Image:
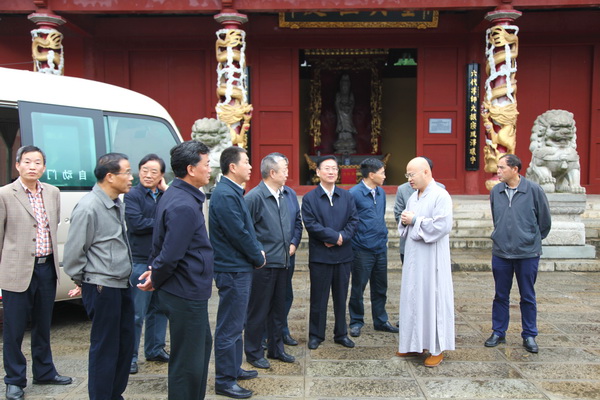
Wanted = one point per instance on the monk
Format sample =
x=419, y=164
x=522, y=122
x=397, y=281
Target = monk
x=427, y=295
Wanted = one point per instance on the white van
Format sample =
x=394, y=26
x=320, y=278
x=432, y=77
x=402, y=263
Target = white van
x=74, y=121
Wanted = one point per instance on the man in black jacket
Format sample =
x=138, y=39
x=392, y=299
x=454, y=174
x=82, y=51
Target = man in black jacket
x=182, y=270
x=237, y=253
x=330, y=218
x=521, y=220
x=270, y=213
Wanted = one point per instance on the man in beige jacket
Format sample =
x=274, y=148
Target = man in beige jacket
x=29, y=271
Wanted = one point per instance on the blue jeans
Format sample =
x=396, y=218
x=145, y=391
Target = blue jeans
x=234, y=293
x=147, y=309
x=368, y=267
x=525, y=271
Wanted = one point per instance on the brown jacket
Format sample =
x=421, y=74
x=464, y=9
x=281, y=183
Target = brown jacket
x=18, y=232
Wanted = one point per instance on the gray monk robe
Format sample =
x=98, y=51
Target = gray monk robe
x=427, y=295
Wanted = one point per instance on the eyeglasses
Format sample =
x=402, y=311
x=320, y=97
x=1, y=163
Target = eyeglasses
x=128, y=172
x=151, y=172
x=412, y=174
x=330, y=169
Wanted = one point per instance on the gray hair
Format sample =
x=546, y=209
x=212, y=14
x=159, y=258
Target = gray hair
x=270, y=163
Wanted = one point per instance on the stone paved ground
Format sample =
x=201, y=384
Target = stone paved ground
x=567, y=366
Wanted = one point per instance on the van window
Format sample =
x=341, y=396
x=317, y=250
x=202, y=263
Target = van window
x=138, y=137
x=73, y=139
x=68, y=141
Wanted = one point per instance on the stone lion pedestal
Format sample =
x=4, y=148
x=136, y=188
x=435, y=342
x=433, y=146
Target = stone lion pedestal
x=566, y=239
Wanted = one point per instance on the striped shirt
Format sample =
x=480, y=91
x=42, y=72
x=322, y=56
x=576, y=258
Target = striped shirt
x=43, y=243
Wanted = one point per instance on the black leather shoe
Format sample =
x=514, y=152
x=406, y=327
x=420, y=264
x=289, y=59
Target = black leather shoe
x=246, y=375
x=345, y=342
x=494, y=340
x=260, y=363
x=14, y=392
x=387, y=327
x=235, y=392
x=162, y=356
x=285, y=357
x=133, y=369
x=355, y=331
x=313, y=344
x=290, y=341
x=57, y=380
x=530, y=344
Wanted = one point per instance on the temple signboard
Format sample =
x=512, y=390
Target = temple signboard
x=360, y=19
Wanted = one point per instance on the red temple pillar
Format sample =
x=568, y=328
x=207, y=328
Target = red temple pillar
x=232, y=82
x=499, y=108
x=46, y=47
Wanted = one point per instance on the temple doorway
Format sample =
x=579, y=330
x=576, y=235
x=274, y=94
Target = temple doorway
x=357, y=103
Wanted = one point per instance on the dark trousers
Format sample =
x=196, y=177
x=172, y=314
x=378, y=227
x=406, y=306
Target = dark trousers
x=36, y=303
x=368, y=267
x=191, y=344
x=234, y=292
x=323, y=278
x=266, y=305
x=111, y=339
x=147, y=312
x=525, y=271
x=289, y=295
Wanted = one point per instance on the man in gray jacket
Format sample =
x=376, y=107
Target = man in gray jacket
x=270, y=213
x=98, y=259
x=521, y=220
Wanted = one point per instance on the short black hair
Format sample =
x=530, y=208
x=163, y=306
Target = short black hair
x=325, y=158
x=108, y=163
x=512, y=161
x=230, y=155
x=369, y=165
x=186, y=153
x=153, y=157
x=29, y=149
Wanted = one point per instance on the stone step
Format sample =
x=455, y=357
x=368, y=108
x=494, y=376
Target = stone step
x=479, y=260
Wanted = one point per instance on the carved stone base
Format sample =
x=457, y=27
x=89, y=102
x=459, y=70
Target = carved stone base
x=567, y=237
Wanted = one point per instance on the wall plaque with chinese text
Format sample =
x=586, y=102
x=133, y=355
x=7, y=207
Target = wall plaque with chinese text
x=472, y=115
x=360, y=19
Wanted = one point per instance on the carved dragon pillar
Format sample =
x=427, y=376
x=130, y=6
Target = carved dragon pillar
x=232, y=108
x=499, y=109
x=46, y=47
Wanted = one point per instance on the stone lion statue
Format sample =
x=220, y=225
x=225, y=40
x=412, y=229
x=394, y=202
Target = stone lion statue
x=214, y=134
x=555, y=162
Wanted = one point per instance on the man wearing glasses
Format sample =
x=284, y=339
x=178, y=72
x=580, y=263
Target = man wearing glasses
x=426, y=294
x=330, y=218
x=98, y=259
x=140, y=208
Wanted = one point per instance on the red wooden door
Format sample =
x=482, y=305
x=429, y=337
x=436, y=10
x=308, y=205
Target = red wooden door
x=274, y=96
x=440, y=100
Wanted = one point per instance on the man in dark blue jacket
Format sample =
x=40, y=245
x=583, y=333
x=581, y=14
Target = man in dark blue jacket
x=370, y=249
x=270, y=213
x=330, y=218
x=140, y=209
x=521, y=220
x=237, y=253
x=182, y=270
